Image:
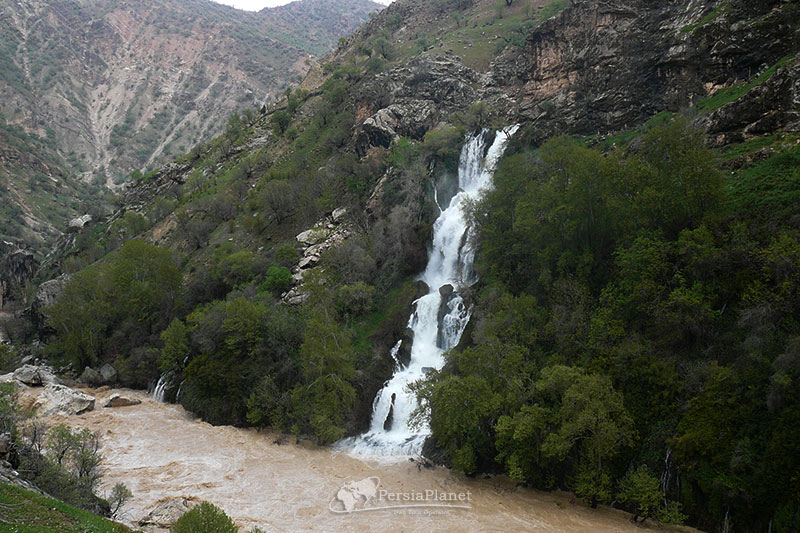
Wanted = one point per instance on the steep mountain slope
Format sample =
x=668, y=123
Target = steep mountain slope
x=115, y=87
x=635, y=332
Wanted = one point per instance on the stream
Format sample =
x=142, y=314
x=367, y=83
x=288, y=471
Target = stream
x=161, y=451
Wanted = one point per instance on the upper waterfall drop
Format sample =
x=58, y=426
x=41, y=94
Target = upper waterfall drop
x=439, y=317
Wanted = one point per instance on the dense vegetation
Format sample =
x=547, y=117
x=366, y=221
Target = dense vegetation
x=637, y=315
x=634, y=336
x=63, y=462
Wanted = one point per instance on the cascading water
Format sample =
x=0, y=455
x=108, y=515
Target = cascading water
x=160, y=391
x=439, y=317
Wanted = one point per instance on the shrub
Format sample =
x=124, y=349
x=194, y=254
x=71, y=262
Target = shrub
x=205, y=518
x=277, y=280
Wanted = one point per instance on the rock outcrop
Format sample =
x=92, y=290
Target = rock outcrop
x=409, y=100
x=35, y=376
x=167, y=511
x=766, y=108
x=329, y=232
x=120, y=401
x=107, y=375
x=602, y=66
x=61, y=400
x=49, y=291
x=17, y=266
x=11, y=477
x=77, y=224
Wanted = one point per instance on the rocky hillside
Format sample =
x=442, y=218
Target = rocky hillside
x=91, y=91
x=635, y=330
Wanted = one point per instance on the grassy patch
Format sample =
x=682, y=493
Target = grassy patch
x=770, y=188
x=734, y=92
x=716, y=12
x=478, y=35
x=735, y=151
x=26, y=512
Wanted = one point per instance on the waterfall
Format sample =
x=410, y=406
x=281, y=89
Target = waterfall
x=160, y=391
x=439, y=317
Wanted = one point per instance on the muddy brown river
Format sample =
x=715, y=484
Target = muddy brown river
x=161, y=451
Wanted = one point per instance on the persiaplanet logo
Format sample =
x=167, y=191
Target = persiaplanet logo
x=367, y=495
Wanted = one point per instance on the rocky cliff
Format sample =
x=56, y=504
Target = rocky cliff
x=93, y=91
x=597, y=68
x=602, y=67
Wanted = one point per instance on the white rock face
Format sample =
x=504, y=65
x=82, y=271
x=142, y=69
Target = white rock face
x=77, y=224
x=61, y=400
x=312, y=236
x=167, y=511
x=338, y=215
x=327, y=233
x=35, y=376
x=49, y=291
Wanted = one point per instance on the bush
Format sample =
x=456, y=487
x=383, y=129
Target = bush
x=64, y=463
x=205, y=518
x=277, y=280
x=280, y=121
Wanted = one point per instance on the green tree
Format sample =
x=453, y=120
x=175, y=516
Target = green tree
x=640, y=489
x=119, y=496
x=324, y=400
x=176, y=346
x=205, y=518
x=280, y=121
x=463, y=412
x=139, y=288
x=593, y=421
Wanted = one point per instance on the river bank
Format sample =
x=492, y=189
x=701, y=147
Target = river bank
x=160, y=451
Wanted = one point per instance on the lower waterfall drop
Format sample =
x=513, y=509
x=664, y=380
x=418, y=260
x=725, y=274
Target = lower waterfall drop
x=439, y=317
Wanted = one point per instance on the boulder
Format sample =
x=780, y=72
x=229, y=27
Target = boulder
x=49, y=291
x=108, y=373
x=77, y=224
x=403, y=355
x=61, y=400
x=35, y=376
x=120, y=401
x=338, y=214
x=312, y=236
x=446, y=291
x=168, y=511
x=90, y=376
x=308, y=262
x=377, y=130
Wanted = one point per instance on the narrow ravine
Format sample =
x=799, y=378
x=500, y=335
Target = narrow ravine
x=439, y=318
x=160, y=451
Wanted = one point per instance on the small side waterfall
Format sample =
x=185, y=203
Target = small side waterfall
x=159, y=393
x=439, y=317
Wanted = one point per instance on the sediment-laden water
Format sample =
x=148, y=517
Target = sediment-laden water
x=160, y=451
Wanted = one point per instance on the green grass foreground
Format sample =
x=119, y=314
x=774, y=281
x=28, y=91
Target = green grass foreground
x=22, y=511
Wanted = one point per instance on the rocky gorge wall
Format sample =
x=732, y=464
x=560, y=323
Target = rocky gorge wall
x=600, y=66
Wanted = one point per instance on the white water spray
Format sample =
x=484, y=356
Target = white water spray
x=439, y=317
x=160, y=391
